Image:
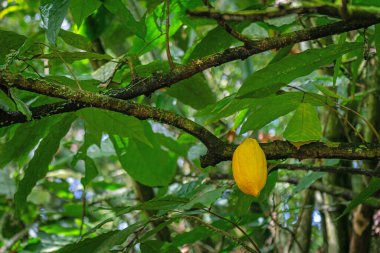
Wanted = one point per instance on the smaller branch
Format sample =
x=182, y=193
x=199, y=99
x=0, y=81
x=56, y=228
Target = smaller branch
x=283, y=149
x=328, y=169
x=333, y=190
x=333, y=10
x=228, y=28
x=167, y=35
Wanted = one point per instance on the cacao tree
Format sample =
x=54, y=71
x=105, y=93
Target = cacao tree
x=119, y=120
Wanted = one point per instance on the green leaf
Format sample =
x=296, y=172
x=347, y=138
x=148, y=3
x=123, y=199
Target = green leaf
x=149, y=165
x=205, y=198
x=126, y=17
x=269, y=79
x=9, y=41
x=270, y=108
x=196, y=234
x=262, y=110
x=283, y=52
x=101, y=243
x=98, y=120
x=75, y=40
x=53, y=12
x=373, y=187
x=17, y=147
x=193, y=91
x=269, y=186
x=338, y=62
x=6, y=104
x=39, y=165
x=81, y=9
x=216, y=40
x=304, y=125
x=155, y=246
x=21, y=105
x=91, y=171
x=308, y=180
x=366, y=2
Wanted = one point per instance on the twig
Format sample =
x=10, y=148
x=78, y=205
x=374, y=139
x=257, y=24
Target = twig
x=292, y=234
x=167, y=35
x=235, y=225
x=83, y=212
x=222, y=232
x=228, y=28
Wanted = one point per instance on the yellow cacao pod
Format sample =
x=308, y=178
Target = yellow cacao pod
x=249, y=167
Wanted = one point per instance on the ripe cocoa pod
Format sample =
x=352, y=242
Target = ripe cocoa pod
x=249, y=167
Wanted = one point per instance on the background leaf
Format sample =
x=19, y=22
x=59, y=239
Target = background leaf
x=53, y=13
x=304, y=125
x=269, y=79
x=38, y=166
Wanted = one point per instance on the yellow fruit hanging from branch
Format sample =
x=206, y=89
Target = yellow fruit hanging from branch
x=249, y=167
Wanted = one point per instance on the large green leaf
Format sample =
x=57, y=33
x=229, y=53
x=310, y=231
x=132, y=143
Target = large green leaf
x=81, y=9
x=98, y=120
x=39, y=165
x=269, y=109
x=76, y=40
x=16, y=148
x=262, y=110
x=6, y=103
x=120, y=10
x=149, y=165
x=216, y=40
x=305, y=125
x=308, y=180
x=21, y=105
x=268, y=80
x=53, y=12
x=101, y=243
x=9, y=41
x=91, y=171
x=193, y=91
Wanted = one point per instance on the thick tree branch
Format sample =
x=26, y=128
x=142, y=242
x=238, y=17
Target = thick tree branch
x=329, y=169
x=180, y=73
x=217, y=150
x=348, y=13
x=282, y=150
x=80, y=99
x=183, y=72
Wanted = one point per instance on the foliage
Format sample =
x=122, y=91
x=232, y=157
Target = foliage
x=102, y=141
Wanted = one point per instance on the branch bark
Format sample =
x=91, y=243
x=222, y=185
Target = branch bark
x=348, y=12
x=218, y=151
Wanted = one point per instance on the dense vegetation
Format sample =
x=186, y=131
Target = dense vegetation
x=118, y=121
